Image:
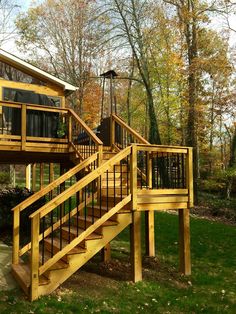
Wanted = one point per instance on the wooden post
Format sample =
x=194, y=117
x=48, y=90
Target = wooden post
x=189, y=177
x=23, y=126
x=28, y=176
x=136, y=256
x=51, y=172
x=69, y=128
x=106, y=253
x=133, y=176
x=112, y=131
x=35, y=222
x=34, y=177
x=184, y=242
x=16, y=236
x=150, y=233
x=100, y=154
x=41, y=175
x=150, y=217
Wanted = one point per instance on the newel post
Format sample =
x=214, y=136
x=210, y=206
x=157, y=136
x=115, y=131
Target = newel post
x=184, y=220
x=34, y=262
x=150, y=216
x=112, y=131
x=16, y=236
x=136, y=254
x=69, y=127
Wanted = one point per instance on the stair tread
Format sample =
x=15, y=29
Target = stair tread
x=73, y=230
x=58, y=265
x=56, y=244
x=23, y=272
x=90, y=219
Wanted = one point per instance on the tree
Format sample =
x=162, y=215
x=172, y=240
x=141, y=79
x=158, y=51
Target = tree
x=63, y=37
x=130, y=21
x=8, y=9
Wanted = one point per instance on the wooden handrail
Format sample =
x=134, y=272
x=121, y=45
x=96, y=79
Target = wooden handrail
x=129, y=129
x=32, y=106
x=33, y=198
x=47, y=208
x=90, y=133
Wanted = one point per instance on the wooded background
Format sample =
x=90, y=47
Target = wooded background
x=175, y=61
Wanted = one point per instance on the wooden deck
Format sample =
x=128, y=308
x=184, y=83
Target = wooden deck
x=105, y=191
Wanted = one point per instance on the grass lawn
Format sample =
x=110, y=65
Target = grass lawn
x=99, y=288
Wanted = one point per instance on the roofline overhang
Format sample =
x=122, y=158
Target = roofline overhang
x=31, y=69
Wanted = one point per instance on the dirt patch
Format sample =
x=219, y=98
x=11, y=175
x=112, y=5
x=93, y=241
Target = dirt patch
x=97, y=278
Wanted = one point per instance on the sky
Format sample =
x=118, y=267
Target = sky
x=217, y=24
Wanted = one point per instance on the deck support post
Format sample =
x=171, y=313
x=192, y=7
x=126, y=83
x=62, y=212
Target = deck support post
x=150, y=217
x=106, y=253
x=28, y=176
x=184, y=242
x=34, y=177
x=136, y=254
x=150, y=233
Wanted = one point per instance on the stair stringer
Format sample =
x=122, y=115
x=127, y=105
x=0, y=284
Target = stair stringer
x=76, y=261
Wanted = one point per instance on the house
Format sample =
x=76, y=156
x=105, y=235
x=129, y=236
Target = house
x=102, y=187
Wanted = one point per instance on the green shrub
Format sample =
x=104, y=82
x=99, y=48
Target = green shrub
x=11, y=197
x=4, y=178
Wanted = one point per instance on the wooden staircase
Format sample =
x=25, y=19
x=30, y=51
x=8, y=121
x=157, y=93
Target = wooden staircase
x=114, y=198
x=89, y=205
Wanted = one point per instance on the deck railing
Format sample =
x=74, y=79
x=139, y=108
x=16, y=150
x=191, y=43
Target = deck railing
x=122, y=135
x=83, y=140
x=46, y=129
x=21, y=244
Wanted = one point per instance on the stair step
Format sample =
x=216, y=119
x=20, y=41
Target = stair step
x=110, y=191
x=21, y=272
x=56, y=247
x=73, y=231
x=58, y=265
x=96, y=210
x=88, y=221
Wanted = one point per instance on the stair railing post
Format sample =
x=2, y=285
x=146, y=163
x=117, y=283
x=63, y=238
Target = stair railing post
x=112, y=131
x=23, y=126
x=136, y=256
x=189, y=176
x=184, y=221
x=100, y=154
x=149, y=215
x=16, y=236
x=69, y=127
x=34, y=262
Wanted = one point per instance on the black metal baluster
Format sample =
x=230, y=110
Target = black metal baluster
x=77, y=212
x=43, y=244
x=51, y=218
x=183, y=171
x=127, y=173
x=178, y=171
x=69, y=221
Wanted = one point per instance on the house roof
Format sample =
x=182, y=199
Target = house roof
x=33, y=70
